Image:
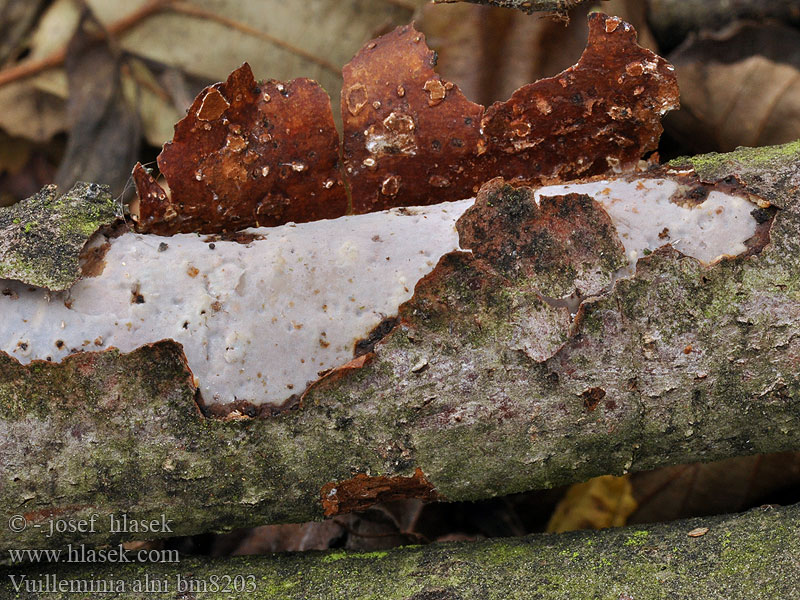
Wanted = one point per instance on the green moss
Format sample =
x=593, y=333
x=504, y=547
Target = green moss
x=42, y=236
x=637, y=538
x=756, y=158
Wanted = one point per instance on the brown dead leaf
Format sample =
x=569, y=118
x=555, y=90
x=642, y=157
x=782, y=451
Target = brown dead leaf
x=491, y=51
x=410, y=138
x=289, y=537
x=673, y=20
x=203, y=39
x=105, y=129
x=719, y=487
x=17, y=17
x=739, y=87
x=25, y=167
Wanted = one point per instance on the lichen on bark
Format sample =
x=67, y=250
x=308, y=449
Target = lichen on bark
x=696, y=363
x=41, y=238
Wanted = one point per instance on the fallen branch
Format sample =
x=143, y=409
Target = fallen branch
x=679, y=363
x=557, y=8
x=751, y=555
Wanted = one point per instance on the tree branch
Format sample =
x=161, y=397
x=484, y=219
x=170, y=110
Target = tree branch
x=554, y=7
x=680, y=363
x=750, y=555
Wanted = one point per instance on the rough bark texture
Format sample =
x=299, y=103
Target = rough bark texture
x=696, y=364
x=41, y=238
x=555, y=7
x=751, y=555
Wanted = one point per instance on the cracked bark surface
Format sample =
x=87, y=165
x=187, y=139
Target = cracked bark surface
x=555, y=7
x=750, y=555
x=109, y=433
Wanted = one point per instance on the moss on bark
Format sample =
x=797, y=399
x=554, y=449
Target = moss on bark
x=696, y=363
x=751, y=555
x=41, y=237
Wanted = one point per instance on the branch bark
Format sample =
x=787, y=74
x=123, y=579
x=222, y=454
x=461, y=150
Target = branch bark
x=673, y=20
x=555, y=7
x=750, y=555
x=106, y=433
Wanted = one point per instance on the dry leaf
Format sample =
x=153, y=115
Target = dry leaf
x=698, y=532
x=601, y=502
x=104, y=127
x=289, y=537
x=17, y=17
x=491, y=51
x=673, y=20
x=713, y=488
x=740, y=87
x=284, y=40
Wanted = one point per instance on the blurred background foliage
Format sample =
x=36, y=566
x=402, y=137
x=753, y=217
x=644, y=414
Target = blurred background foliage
x=88, y=87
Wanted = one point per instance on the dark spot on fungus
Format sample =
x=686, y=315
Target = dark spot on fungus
x=136, y=295
x=760, y=215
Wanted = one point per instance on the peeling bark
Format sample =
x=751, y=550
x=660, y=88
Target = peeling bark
x=679, y=363
x=243, y=156
x=750, y=555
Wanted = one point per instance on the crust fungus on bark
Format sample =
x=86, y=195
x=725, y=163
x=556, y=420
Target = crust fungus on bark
x=116, y=434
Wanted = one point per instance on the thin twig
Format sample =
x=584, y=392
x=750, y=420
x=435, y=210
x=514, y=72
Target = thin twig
x=190, y=9
x=56, y=59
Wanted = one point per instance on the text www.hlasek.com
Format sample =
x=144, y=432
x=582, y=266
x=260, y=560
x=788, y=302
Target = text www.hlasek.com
x=82, y=554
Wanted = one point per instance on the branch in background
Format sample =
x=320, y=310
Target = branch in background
x=672, y=20
x=558, y=8
x=736, y=557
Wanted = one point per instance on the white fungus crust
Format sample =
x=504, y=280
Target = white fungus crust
x=646, y=218
x=260, y=321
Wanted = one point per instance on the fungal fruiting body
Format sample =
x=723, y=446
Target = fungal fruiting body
x=261, y=319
